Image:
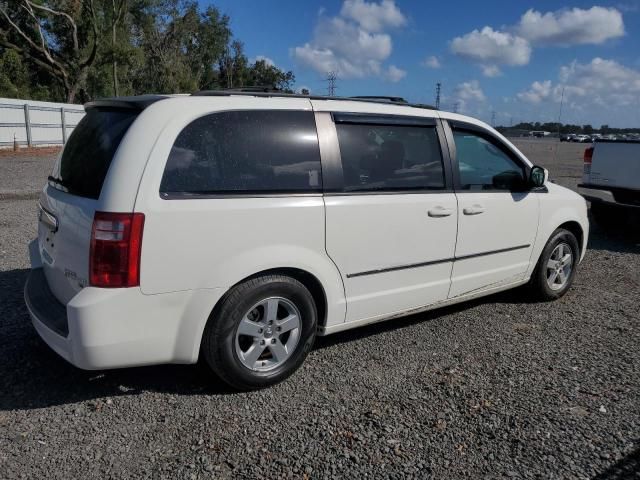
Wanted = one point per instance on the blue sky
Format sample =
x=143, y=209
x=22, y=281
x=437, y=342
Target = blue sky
x=512, y=58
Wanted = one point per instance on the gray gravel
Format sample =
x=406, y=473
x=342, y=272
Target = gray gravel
x=498, y=387
x=22, y=176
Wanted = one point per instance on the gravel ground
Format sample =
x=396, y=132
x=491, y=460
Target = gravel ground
x=494, y=388
x=22, y=176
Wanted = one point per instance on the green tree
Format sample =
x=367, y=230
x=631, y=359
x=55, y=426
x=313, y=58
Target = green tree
x=77, y=50
x=14, y=78
x=61, y=42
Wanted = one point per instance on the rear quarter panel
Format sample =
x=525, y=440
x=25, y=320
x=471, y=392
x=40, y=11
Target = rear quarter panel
x=214, y=243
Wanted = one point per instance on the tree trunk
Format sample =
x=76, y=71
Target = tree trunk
x=114, y=61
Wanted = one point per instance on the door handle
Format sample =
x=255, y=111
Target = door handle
x=474, y=209
x=440, y=211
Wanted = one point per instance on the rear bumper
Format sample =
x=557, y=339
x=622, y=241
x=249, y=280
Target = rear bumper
x=602, y=195
x=116, y=328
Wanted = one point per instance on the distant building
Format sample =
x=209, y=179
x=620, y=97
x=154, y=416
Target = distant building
x=539, y=133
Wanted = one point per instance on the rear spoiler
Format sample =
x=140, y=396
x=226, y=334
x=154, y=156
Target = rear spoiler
x=138, y=103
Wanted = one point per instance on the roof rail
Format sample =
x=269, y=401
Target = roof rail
x=275, y=93
x=381, y=98
x=254, y=89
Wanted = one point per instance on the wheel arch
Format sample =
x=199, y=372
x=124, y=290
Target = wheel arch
x=575, y=228
x=309, y=280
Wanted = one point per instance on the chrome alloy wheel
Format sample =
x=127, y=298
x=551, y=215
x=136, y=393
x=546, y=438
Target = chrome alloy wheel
x=559, y=266
x=268, y=334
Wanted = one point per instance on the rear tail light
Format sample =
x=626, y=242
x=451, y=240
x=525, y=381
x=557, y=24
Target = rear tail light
x=588, y=155
x=116, y=241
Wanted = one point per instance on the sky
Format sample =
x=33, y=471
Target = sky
x=509, y=61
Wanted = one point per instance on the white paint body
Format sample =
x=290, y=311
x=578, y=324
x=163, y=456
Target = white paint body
x=194, y=250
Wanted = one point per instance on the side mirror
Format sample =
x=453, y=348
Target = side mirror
x=538, y=176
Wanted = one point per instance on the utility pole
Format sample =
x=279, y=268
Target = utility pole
x=455, y=107
x=332, y=77
x=438, y=87
x=493, y=118
x=560, y=113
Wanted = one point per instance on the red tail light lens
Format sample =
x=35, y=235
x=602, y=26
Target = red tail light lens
x=116, y=243
x=588, y=155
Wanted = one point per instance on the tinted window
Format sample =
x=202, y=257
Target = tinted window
x=245, y=151
x=87, y=156
x=390, y=157
x=482, y=164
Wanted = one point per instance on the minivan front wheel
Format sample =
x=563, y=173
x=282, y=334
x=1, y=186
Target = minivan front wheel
x=261, y=332
x=556, y=267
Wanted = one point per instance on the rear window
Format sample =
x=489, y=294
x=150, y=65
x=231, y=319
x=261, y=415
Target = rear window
x=379, y=158
x=253, y=151
x=87, y=156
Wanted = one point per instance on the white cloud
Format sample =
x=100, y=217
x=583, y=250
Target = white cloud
x=606, y=82
x=571, y=27
x=608, y=90
x=491, y=71
x=470, y=91
x=467, y=97
x=353, y=44
x=431, y=62
x=536, y=93
x=266, y=60
x=491, y=48
x=339, y=45
x=512, y=45
x=373, y=17
x=394, y=74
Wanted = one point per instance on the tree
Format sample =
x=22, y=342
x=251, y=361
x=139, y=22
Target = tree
x=118, y=10
x=77, y=50
x=63, y=43
x=14, y=78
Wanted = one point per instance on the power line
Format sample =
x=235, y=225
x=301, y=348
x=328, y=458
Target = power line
x=332, y=77
x=438, y=87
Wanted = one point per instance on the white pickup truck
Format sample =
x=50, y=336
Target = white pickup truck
x=611, y=182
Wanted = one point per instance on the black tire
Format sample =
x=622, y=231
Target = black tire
x=219, y=337
x=539, y=285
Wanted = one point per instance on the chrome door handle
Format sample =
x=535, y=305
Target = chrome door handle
x=440, y=211
x=473, y=210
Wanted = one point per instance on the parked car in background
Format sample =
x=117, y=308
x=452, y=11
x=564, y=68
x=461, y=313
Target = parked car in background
x=611, y=182
x=582, y=138
x=568, y=137
x=236, y=227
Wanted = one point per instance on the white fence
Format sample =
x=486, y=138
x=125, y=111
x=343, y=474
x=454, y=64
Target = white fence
x=32, y=123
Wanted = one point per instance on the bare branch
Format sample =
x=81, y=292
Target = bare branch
x=62, y=14
x=21, y=32
x=44, y=49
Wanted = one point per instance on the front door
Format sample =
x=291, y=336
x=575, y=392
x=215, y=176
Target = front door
x=497, y=224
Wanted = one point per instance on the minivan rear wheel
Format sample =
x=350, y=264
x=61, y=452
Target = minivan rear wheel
x=261, y=332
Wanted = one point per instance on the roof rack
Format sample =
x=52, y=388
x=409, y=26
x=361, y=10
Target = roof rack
x=276, y=93
x=382, y=99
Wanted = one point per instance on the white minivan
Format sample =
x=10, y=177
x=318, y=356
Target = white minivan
x=237, y=226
